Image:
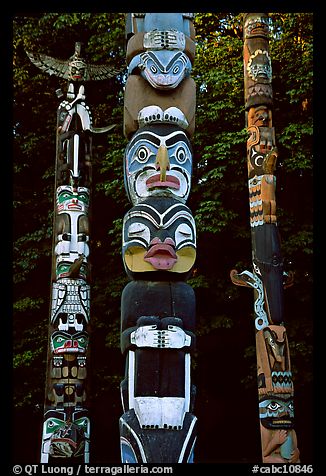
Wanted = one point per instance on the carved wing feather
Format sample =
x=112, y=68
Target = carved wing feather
x=98, y=72
x=50, y=65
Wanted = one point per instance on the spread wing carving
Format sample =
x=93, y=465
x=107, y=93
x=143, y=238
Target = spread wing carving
x=63, y=69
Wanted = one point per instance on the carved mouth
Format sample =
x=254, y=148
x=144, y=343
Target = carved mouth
x=274, y=423
x=74, y=206
x=161, y=256
x=281, y=422
x=164, y=80
x=67, y=350
x=69, y=441
x=170, y=181
x=69, y=347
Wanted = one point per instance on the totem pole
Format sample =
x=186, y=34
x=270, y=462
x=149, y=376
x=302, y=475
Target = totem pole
x=159, y=241
x=66, y=422
x=274, y=378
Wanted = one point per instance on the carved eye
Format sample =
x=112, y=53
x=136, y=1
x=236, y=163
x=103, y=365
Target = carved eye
x=136, y=229
x=139, y=230
x=185, y=230
x=83, y=197
x=66, y=237
x=271, y=340
x=181, y=154
x=142, y=153
x=274, y=406
x=176, y=70
x=62, y=268
x=183, y=233
x=81, y=422
x=153, y=68
x=259, y=159
x=53, y=425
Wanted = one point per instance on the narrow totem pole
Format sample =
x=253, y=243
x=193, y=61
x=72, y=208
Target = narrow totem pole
x=275, y=386
x=66, y=422
x=159, y=241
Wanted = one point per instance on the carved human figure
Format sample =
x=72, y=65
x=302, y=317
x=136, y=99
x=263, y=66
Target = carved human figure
x=279, y=441
x=157, y=323
x=279, y=446
x=257, y=62
x=158, y=162
x=72, y=232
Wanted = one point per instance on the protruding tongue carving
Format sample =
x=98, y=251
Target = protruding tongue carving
x=161, y=255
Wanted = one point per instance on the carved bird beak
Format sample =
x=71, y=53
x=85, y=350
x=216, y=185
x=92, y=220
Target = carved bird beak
x=162, y=162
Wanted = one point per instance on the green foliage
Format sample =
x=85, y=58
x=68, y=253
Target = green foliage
x=28, y=303
x=211, y=216
x=25, y=359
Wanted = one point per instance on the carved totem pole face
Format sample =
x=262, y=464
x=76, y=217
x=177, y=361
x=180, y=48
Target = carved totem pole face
x=64, y=437
x=64, y=342
x=158, y=162
x=162, y=69
x=77, y=70
x=72, y=199
x=72, y=238
x=256, y=26
x=258, y=68
x=277, y=412
x=159, y=235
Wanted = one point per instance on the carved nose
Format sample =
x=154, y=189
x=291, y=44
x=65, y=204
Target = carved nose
x=162, y=162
